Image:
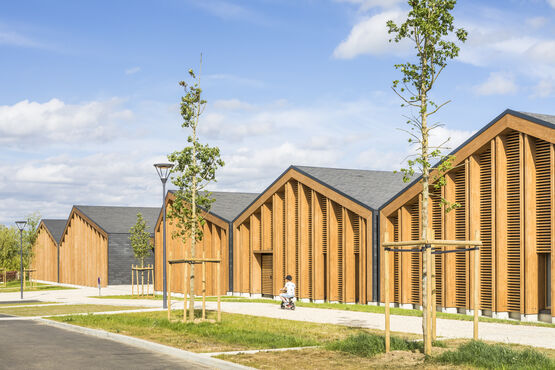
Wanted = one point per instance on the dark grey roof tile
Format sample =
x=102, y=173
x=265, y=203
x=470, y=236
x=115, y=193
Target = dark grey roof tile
x=118, y=220
x=55, y=227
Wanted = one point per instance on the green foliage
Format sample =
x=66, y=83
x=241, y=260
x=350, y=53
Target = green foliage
x=140, y=240
x=495, y=356
x=195, y=167
x=429, y=26
x=10, y=243
x=368, y=345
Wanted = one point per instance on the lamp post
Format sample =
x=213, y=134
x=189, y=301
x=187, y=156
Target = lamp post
x=21, y=226
x=163, y=170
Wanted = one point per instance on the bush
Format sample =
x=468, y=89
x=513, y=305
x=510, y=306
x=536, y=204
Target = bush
x=496, y=356
x=369, y=345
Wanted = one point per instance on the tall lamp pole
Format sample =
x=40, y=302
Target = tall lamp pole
x=163, y=170
x=21, y=226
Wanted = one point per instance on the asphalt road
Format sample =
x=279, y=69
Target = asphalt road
x=31, y=345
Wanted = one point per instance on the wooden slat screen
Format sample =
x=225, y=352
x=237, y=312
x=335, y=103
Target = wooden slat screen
x=513, y=221
x=396, y=261
x=308, y=193
x=543, y=196
x=281, y=196
x=437, y=227
x=415, y=265
x=339, y=215
x=460, y=234
x=323, y=202
x=267, y=283
x=296, y=191
x=486, y=231
x=356, y=232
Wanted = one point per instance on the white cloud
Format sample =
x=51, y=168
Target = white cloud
x=537, y=22
x=552, y=3
x=133, y=70
x=16, y=39
x=544, y=88
x=365, y=5
x=57, y=122
x=544, y=51
x=232, y=104
x=370, y=36
x=497, y=84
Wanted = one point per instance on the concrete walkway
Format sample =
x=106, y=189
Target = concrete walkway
x=521, y=334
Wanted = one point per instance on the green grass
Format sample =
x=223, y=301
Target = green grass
x=235, y=332
x=24, y=303
x=62, y=309
x=14, y=286
x=495, y=356
x=157, y=297
x=369, y=345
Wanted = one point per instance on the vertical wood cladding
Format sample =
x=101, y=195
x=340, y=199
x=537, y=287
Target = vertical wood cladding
x=214, y=238
x=506, y=190
x=321, y=244
x=45, y=258
x=83, y=254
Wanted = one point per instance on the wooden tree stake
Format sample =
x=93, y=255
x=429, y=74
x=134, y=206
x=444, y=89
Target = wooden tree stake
x=386, y=294
x=475, y=284
x=185, y=286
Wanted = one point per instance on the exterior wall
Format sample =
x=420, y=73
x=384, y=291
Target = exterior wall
x=506, y=190
x=83, y=253
x=120, y=259
x=215, y=237
x=311, y=233
x=45, y=259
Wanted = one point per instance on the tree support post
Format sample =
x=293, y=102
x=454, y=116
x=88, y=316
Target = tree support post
x=386, y=294
x=475, y=284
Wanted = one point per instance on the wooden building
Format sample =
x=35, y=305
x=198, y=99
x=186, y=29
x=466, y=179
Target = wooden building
x=226, y=206
x=504, y=179
x=317, y=225
x=95, y=244
x=45, y=250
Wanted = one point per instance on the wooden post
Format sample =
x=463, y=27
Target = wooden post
x=434, y=299
x=142, y=283
x=428, y=344
x=132, y=281
x=185, y=286
x=169, y=279
x=218, y=286
x=386, y=293
x=476, y=290
x=203, y=290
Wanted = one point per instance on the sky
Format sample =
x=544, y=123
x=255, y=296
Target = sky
x=90, y=96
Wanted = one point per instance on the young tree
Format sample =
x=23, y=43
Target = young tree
x=195, y=167
x=30, y=235
x=429, y=27
x=140, y=240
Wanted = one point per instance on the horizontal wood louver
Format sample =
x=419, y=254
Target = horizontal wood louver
x=396, y=261
x=308, y=194
x=356, y=233
x=437, y=227
x=415, y=265
x=486, y=231
x=460, y=234
x=281, y=196
x=543, y=196
x=514, y=221
x=266, y=267
x=323, y=202
x=340, y=278
x=296, y=191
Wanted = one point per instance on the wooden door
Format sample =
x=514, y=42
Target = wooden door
x=267, y=275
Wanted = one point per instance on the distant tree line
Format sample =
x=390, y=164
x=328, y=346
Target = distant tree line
x=10, y=240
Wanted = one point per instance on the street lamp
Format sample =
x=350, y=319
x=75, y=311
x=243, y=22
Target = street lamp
x=163, y=170
x=21, y=226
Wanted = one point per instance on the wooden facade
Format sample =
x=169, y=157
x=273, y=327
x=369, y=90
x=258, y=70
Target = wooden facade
x=215, y=237
x=45, y=254
x=83, y=252
x=504, y=180
x=303, y=228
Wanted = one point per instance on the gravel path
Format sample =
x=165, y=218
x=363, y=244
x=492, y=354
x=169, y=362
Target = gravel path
x=522, y=334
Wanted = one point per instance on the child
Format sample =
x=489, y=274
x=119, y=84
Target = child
x=288, y=290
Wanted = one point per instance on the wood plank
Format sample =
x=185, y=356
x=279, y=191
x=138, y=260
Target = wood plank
x=501, y=224
x=530, y=297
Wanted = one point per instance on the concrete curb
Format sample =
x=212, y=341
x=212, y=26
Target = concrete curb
x=197, y=358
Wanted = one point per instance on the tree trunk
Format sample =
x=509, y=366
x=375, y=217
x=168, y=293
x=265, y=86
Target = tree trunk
x=426, y=255
x=193, y=234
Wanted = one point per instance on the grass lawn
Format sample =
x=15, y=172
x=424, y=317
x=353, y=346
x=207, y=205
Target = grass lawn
x=129, y=296
x=352, y=307
x=355, y=353
x=23, y=303
x=63, y=309
x=14, y=286
x=235, y=332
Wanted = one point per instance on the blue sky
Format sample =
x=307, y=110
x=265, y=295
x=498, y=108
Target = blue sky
x=90, y=89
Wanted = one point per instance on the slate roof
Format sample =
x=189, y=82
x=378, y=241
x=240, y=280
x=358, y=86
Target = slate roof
x=118, y=220
x=368, y=187
x=55, y=227
x=542, y=117
x=228, y=205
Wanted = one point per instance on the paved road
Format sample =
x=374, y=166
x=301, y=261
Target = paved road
x=32, y=345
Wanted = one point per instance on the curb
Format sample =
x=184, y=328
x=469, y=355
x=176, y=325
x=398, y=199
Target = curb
x=196, y=358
